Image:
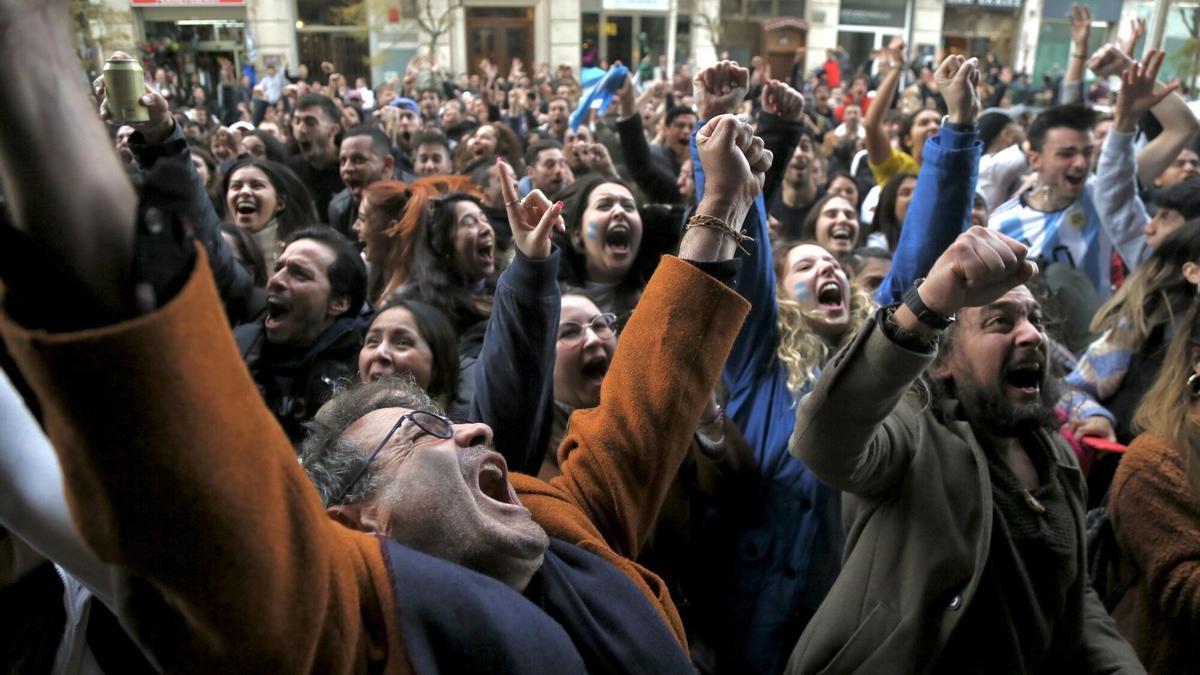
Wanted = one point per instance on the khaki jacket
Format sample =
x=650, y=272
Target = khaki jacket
x=918, y=515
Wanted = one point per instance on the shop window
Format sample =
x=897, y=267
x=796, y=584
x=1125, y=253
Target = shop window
x=194, y=48
x=765, y=9
x=653, y=38
x=348, y=51
x=501, y=12
x=499, y=34
x=332, y=12
x=791, y=8
x=683, y=39
x=1054, y=48
x=589, y=54
x=874, y=12
x=732, y=7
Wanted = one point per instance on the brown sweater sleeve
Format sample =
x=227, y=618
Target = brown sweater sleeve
x=176, y=471
x=1154, y=516
x=619, y=458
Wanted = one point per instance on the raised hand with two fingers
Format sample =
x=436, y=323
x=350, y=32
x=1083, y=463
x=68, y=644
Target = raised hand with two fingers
x=531, y=218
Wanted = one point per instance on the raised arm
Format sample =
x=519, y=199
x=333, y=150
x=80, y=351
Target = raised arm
x=718, y=91
x=173, y=468
x=780, y=125
x=941, y=206
x=658, y=185
x=1179, y=124
x=58, y=170
x=1081, y=30
x=619, y=458
x=33, y=505
x=845, y=430
x=879, y=146
x=160, y=142
x=514, y=378
x=1122, y=213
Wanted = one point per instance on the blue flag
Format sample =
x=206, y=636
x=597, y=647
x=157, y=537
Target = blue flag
x=603, y=90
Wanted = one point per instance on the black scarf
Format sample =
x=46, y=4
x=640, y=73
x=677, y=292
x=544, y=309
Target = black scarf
x=579, y=614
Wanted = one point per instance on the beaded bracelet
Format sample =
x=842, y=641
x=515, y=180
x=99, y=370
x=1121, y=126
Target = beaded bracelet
x=711, y=223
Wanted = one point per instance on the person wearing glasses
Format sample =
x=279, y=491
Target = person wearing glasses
x=438, y=558
x=583, y=351
x=692, y=542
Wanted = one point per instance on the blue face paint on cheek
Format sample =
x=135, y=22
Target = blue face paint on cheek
x=801, y=292
x=593, y=231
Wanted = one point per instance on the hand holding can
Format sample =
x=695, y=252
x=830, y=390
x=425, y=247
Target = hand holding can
x=124, y=84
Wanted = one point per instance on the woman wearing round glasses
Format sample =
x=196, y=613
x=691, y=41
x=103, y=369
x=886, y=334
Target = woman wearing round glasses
x=692, y=540
x=586, y=341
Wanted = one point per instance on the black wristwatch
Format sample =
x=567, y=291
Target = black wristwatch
x=927, y=316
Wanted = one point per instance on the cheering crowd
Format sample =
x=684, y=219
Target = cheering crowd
x=875, y=372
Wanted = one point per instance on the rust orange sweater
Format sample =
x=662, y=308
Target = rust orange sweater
x=1156, y=517
x=177, y=472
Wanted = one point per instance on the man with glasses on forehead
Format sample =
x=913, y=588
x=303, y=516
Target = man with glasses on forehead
x=177, y=474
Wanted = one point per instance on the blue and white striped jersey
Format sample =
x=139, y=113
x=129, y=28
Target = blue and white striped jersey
x=1074, y=235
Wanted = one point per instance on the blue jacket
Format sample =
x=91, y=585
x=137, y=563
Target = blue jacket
x=788, y=560
x=940, y=209
x=514, y=377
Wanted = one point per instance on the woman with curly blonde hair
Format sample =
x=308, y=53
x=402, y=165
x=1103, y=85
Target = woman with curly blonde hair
x=820, y=308
x=790, y=552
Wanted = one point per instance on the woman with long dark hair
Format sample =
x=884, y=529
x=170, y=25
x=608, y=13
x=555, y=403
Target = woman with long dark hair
x=454, y=264
x=603, y=249
x=892, y=210
x=1136, y=325
x=410, y=338
x=268, y=200
x=833, y=224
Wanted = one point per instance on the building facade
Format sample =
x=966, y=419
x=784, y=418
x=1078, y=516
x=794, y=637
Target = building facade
x=376, y=39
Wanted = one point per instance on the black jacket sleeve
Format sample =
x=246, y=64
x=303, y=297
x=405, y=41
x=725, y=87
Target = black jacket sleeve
x=514, y=379
x=658, y=185
x=780, y=138
x=241, y=297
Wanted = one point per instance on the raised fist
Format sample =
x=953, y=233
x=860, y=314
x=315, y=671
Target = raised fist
x=1109, y=60
x=979, y=267
x=782, y=101
x=735, y=162
x=958, y=81
x=720, y=88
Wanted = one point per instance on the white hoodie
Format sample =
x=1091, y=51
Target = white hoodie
x=33, y=508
